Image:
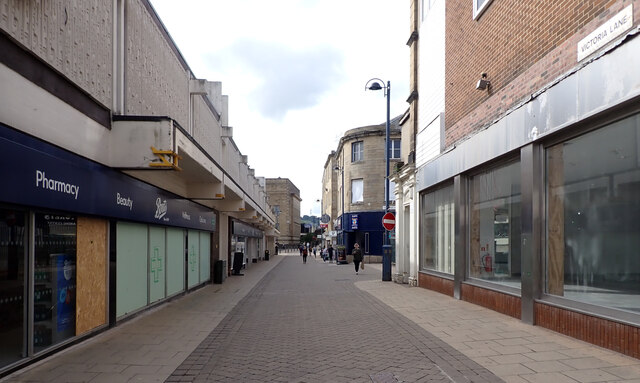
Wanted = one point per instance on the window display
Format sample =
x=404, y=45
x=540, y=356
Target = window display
x=12, y=285
x=437, y=234
x=593, y=211
x=494, y=253
x=54, y=301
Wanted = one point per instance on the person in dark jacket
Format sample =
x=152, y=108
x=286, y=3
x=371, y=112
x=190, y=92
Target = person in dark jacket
x=357, y=256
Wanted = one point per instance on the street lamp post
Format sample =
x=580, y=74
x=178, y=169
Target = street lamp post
x=377, y=84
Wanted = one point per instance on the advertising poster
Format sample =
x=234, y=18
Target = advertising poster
x=65, y=287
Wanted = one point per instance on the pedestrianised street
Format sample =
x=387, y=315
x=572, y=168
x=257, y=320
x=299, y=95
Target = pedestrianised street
x=285, y=321
x=310, y=323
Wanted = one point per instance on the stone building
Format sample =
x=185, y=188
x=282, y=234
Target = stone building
x=354, y=186
x=284, y=198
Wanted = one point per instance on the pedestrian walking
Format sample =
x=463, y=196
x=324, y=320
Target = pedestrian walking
x=357, y=256
x=315, y=248
x=330, y=250
x=304, y=255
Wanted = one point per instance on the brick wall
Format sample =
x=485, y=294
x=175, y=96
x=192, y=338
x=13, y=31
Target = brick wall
x=521, y=45
x=615, y=336
x=431, y=282
x=494, y=300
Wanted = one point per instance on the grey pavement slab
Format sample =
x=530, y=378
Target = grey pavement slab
x=512, y=350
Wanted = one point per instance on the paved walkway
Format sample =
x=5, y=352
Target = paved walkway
x=289, y=322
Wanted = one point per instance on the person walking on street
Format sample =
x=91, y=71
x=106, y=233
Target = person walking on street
x=357, y=256
x=330, y=250
x=304, y=255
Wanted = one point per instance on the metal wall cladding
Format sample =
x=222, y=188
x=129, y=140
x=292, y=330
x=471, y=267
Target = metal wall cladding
x=604, y=82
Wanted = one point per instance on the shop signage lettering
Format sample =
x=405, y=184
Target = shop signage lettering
x=55, y=185
x=161, y=208
x=128, y=202
x=604, y=34
x=59, y=175
x=186, y=216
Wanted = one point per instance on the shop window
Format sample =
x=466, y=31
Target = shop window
x=593, y=211
x=54, y=301
x=494, y=253
x=193, y=258
x=12, y=286
x=437, y=230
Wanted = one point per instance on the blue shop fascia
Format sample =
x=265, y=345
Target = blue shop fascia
x=366, y=229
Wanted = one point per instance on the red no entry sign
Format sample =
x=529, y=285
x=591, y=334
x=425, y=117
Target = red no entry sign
x=389, y=221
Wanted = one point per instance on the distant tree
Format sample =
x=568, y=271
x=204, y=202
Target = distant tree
x=307, y=238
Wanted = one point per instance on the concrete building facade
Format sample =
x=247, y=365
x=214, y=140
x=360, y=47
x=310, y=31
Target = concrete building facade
x=284, y=198
x=126, y=187
x=529, y=205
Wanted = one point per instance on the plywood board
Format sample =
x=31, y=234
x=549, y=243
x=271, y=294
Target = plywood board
x=91, y=264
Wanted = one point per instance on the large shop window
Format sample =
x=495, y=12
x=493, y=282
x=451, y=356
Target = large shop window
x=593, y=217
x=438, y=234
x=54, y=301
x=494, y=253
x=151, y=263
x=12, y=286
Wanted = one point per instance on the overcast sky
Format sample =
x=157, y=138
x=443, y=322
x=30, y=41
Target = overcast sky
x=295, y=73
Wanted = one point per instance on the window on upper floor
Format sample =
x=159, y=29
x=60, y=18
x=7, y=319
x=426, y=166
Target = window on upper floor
x=394, y=149
x=392, y=191
x=479, y=6
x=357, y=190
x=357, y=151
x=425, y=7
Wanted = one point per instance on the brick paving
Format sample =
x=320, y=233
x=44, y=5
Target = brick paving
x=284, y=321
x=309, y=323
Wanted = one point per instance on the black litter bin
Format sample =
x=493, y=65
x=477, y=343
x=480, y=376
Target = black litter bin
x=218, y=271
x=266, y=255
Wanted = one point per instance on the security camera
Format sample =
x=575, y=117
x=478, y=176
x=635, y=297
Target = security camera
x=482, y=84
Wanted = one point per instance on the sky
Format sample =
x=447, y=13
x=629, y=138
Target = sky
x=295, y=73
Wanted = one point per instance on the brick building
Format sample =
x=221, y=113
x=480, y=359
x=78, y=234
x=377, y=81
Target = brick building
x=531, y=202
x=284, y=198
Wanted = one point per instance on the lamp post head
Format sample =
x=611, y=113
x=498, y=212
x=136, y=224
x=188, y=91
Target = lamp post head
x=375, y=86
